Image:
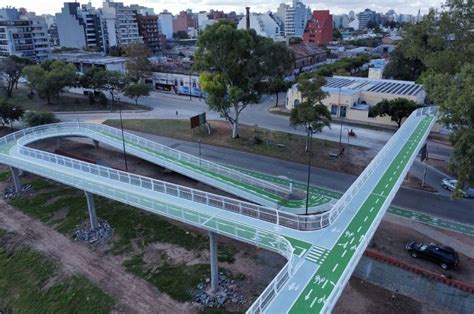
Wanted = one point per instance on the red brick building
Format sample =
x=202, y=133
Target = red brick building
x=319, y=28
x=148, y=28
x=182, y=21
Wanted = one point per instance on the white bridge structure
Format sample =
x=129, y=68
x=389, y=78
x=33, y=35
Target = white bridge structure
x=322, y=249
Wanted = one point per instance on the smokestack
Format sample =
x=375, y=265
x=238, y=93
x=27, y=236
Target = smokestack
x=247, y=17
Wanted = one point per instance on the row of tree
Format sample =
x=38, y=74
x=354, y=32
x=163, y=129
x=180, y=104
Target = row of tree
x=439, y=52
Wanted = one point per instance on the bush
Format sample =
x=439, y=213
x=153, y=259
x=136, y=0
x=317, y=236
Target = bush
x=34, y=118
x=91, y=98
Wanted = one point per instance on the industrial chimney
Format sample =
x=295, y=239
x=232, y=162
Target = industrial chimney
x=247, y=17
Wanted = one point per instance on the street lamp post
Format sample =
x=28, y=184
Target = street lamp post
x=189, y=86
x=310, y=130
x=347, y=148
x=123, y=141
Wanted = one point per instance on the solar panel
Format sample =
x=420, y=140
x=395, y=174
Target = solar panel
x=416, y=90
x=402, y=90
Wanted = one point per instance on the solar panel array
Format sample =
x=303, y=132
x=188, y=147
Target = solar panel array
x=398, y=88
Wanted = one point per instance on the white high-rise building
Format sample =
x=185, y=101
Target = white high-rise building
x=203, y=21
x=165, y=24
x=294, y=18
x=340, y=21
x=263, y=24
x=122, y=26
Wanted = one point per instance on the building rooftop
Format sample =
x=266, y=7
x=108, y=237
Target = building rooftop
x=356, y=84
x=304, y=49
x=87, y=57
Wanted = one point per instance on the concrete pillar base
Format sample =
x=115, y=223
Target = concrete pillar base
x=91, y=209
x=214, y=262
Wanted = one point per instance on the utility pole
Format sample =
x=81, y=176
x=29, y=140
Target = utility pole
x=123, y=141
x=310, y=130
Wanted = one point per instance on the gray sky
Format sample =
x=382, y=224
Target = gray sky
x=335, y=6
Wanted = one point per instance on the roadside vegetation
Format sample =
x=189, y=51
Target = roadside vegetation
x=32, y=283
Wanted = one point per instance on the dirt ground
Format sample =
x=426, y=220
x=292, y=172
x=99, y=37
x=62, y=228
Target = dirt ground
x=259, y=266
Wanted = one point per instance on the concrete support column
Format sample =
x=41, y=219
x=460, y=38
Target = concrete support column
x=58, y=142
x=91, y=209
x=16, y=178
x=213, y=258
x=96, y=143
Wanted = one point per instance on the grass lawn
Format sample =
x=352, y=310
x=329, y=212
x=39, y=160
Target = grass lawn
x=28, y=285
x=276, y=144
x=66, y=102
x=178, y=281
x=64, y=208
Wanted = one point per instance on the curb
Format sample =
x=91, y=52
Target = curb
x=466, y=287
x=100, y=111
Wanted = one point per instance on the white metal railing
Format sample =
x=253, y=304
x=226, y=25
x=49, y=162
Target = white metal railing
x=303, y=223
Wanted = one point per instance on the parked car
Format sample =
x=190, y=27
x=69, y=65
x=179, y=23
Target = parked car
x=450, y=184
x=445, y=256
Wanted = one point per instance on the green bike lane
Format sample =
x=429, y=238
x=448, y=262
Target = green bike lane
x=393, y=210
x=319, y=289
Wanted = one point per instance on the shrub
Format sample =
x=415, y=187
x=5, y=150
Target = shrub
x=34, y=118
x=103, y=100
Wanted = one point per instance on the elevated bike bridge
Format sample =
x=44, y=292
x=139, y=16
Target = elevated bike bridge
x=322, y=249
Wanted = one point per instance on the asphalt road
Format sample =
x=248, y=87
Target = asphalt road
x=435, y=204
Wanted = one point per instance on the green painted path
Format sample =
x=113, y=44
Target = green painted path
x=321, y=286
x=397, y=211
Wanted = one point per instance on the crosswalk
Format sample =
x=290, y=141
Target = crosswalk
x=317, y=254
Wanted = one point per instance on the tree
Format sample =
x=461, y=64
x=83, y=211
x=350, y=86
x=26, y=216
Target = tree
x=444, y=42
x=35, y=118
x=112, y=82
x=311, y=112
x=136, y=90
x=138, y=65
x=397, y=109
x=336, y=34
x=236, y=68
x=283, y=60
x=401, y=67
x=10, y=113
x=12, y=67
x=455, y=96
x=50, y=77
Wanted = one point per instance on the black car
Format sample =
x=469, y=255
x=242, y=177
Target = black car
x=444, y=256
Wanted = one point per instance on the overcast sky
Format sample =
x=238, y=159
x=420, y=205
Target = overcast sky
x=335, y=6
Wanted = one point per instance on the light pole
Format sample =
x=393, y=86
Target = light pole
x=123, y=141
x=189, y=86
x=347, y=148
x=310, y=130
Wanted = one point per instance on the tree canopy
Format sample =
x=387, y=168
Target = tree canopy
x=397, y=109
x=136, y=90
x=12, y=67
x=138, y=65
x=236, y=67
x=49, y=78
x=9, y=113
x=444, y=43
x=311, y=112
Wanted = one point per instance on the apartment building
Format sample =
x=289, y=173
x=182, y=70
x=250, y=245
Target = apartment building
x=121, y=23
x=319, y=28
x=23, y=34
x=81, y=27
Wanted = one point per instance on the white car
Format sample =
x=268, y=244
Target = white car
x=449, y=184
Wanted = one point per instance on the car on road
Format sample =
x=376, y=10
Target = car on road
x=445, y=256
x=450, y=185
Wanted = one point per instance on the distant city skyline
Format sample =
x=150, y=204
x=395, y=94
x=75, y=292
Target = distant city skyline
x=335, y=6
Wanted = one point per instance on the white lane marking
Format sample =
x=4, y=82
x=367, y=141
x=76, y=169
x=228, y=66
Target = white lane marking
x=365, y=219
x=324, y=284
x=306, y=297
x=386, y=186
x=371, y=209
x=314, y=301
x=377, y=200
x=358, y=230
x=335, y=267
x=352, y=240
x=344, y=253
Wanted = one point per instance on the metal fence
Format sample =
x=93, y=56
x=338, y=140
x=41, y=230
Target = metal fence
x=23, y=137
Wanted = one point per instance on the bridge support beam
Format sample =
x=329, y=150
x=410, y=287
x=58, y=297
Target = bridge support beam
x=91, y=209
x=96, y=143
x=213, y=258
x=16, y=179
